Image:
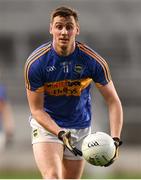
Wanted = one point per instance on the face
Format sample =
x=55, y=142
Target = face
x=64, y=31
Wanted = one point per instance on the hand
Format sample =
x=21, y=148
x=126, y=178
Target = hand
x=117, y=143
x=65, y=136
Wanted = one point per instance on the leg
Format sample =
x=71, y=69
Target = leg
x=73, y=166
x=72, y=169
x=48, y=157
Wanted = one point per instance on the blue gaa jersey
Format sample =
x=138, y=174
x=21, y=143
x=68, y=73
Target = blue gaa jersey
x=65, y=82
x=3, y=99
x=3, y=93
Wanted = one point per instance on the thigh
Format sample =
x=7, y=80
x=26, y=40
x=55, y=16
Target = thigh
x=73, y=169
x=48, y=157
x=77, y=137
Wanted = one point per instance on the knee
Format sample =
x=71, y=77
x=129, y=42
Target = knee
x=51, y=175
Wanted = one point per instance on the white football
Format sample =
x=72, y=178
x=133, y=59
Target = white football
x=98, y=148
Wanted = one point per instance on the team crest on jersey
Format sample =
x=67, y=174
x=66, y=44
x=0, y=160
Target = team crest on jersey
x=78, y=68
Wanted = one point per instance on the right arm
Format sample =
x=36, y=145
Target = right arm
x=36, y=101
x=35, y=98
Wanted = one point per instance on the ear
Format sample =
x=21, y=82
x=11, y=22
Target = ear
x=50, y=28
x=78, y=30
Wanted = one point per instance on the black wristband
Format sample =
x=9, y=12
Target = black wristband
x=60, y=134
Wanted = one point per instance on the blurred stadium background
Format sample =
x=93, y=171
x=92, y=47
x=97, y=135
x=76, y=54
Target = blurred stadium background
x=113, y=29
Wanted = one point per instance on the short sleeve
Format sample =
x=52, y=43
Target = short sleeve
x=100, y=71
x=102, y=74
x=97, y=66
x=33, y=76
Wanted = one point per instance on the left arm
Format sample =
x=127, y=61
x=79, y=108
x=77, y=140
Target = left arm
x=115, y=108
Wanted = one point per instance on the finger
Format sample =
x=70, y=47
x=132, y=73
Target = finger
x=78, y=151
x=68, y=134
x=72, y=150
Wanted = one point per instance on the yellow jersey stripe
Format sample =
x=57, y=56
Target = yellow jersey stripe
x=40, y=89
x=36, y=53
x=103, y=66
x=85, y=83
x=67, y=87
x=99, y=59
x=94, y=53
x=28, y=64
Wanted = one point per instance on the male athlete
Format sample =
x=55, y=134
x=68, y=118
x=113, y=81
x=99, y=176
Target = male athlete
x=6, y=120
x=58, y=75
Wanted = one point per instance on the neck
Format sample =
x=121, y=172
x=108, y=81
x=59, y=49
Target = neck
x=64, y=51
